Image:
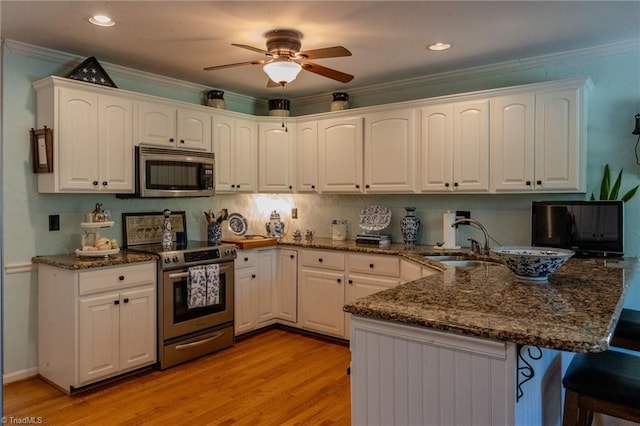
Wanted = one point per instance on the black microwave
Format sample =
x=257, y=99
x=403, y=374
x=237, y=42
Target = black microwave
x=162, y=173
x=590, y=228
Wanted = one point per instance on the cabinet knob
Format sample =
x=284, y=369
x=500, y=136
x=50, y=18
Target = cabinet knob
x=104, y=183
x=292, y=256
x=446, y=184
x=320, y=260
x=290, y=187
x=253, y=275
x=339, y=280
x=528, y=183
x=233, y=186
x=538, y=182
x=121, y=277
x=171, y=140
x=357, y=186
x=246, y=259
x=238, y=186
x=455, y=184
x=95, y=183
x=313, y=187
x=181, y=140
x=371, y=265
x=367, y=186
x=116, y=302
x=126, y=300
x=350, y=281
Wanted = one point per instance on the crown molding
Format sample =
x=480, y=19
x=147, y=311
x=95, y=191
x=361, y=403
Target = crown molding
x=622, y=47
x=68, y=59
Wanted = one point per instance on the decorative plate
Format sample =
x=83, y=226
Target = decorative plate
x=375, y=218
x=237, y=224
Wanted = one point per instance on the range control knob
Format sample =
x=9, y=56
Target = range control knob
x=167, y=260
x=175, y=259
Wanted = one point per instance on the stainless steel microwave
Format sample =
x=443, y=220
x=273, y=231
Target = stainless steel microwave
x=163, y=173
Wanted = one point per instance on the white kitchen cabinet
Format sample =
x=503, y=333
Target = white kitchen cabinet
x=255, y=290
x=235, y=145
x=321, y=291
x=169, y=126
x=340, y=155
x=287, y=285
x=454, y=147
x=93, y=138
x=307, y=156
x=276, y=157
x=96, y=323
x=411, y=271
x=536, y=141
x=390, y=151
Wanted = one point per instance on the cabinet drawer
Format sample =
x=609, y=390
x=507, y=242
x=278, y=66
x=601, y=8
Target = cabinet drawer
x=107, y=279
x=374, y=264
x=246, y=259
x=322, y=259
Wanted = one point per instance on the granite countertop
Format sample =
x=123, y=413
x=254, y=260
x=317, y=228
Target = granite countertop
x=74, y=262
x=575, y=311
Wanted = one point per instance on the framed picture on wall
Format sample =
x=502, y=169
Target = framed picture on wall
x=42, y=150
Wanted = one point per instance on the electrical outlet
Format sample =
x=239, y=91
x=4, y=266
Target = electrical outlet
x=463, y=214
x=54, y=222
x=294, y=213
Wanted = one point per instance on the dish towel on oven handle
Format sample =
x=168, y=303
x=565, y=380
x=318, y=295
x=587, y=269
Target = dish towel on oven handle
x=203, y=286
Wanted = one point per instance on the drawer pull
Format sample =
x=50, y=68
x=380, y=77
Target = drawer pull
x=126, y=300
x=199, y=342
x=116, y=302
x=121, y=277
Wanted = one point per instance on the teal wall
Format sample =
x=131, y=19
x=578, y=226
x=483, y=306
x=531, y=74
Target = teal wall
x=612, y=103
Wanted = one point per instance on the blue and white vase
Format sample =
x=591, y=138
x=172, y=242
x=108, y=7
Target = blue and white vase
x=214, y=234
x=410, y=225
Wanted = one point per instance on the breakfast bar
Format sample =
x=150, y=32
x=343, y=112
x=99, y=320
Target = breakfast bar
x=454, y=347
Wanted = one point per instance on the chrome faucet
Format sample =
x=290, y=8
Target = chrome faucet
x=474, y=247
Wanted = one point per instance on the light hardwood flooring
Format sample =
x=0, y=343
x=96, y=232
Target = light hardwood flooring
x=278, y=377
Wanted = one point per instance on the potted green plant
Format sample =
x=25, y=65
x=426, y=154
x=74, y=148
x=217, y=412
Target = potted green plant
x=609, y=192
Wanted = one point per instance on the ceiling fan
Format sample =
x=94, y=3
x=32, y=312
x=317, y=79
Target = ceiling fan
x=284, y=60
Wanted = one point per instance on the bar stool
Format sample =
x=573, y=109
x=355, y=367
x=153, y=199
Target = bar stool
x=606, y=382
x=627, y=332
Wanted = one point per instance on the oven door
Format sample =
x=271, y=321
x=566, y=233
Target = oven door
x=178, y=319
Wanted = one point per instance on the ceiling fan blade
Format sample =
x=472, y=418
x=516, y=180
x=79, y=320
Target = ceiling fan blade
x=326, y=72
x=255, y=49
x=327, y=52
x=219, y=67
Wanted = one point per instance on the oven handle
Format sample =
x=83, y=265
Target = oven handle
x=179, y=275
x=199, y=342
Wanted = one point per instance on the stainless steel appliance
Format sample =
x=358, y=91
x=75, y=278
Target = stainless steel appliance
x=186, y=333
x=162, y=172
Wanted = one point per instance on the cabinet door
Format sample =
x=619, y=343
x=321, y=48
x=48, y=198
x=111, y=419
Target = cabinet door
x=287, y=285
x=471, y=146
x=512, y=161
x=137, y=328
x=78, y=140
x=276, y=157
x=361, y=286
x=98, y=337
x=321, y=301
x=266, y=285
x=156, y=124
x=245, y=156
x=340, y=155
x=245, y=302
x=307, y=157
x=558, y=154
x=389, y=151
x=223, y=148
x=115, y=139
x=193, y=130
x=436, y=148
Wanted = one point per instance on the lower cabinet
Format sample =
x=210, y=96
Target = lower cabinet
x=254, y=289
x=287, y=286
x=113, y=310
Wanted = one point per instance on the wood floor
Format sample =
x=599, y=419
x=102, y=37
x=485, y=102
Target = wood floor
x=277, y=377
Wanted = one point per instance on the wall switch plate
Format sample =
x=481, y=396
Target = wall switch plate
x=294, y=213
x=54, y=222
x=463, y=214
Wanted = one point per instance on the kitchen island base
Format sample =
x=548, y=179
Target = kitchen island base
x=414, y=375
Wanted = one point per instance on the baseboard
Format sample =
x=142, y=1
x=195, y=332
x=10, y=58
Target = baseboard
x=19, y=375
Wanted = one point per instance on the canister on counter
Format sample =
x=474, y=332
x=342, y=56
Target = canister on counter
x=339, y=229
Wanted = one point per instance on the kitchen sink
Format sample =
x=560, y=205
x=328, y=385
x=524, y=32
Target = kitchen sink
x=458, y=261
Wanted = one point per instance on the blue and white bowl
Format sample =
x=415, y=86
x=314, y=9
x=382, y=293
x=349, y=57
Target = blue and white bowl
x=533, y=263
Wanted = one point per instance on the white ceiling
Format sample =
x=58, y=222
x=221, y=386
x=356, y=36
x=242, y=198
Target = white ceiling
x=387, y=38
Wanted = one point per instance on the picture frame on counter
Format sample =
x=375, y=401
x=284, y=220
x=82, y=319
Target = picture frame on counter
x=42, y=150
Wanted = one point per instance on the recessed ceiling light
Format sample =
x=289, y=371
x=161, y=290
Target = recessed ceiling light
x=102, y=21
x=439, y=46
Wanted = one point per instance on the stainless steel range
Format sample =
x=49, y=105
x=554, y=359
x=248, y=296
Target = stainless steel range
x=186, y=332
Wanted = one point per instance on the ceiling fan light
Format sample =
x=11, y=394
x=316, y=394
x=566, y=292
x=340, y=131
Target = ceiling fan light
x=282, y=71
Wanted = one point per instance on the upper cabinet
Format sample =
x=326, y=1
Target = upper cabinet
x=92, y=134
x=276, y=157
x=235, y=145
x=167, y=126
x=537, y=141
x=454, y=147
x=340, y=154
x=389, y=151
x=307, y=156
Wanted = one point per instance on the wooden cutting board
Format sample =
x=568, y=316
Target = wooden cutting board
x=244, y=243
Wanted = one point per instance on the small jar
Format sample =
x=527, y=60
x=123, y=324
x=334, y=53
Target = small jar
x=215, y=99
x=279, y=107
x=340, y=101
